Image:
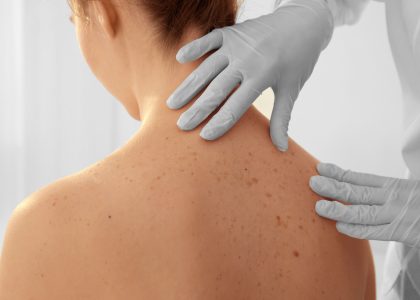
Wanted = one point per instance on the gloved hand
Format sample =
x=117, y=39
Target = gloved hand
x=381, y=208
x=278, y=50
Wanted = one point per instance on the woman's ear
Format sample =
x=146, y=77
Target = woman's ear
x=106, y=16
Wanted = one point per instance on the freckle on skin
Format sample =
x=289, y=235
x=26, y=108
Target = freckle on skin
x=278, y=220
x=109, y=217
x=300, y=227
x=254, y=180
x=268, y=195
x=296, y=253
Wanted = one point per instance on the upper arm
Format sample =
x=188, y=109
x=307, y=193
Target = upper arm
x=23, y=261
x=38, y=245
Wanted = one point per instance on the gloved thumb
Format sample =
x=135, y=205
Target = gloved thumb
x=201, y=46
x=280, y=119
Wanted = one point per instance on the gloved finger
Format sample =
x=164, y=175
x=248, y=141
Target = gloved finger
x=230, y=113
x=280, y=119
x=356, y=214
x=197, y=80
x=212, y=97
x=356, y=194
x=201, y=46
x=333, y=171
x=365, y=232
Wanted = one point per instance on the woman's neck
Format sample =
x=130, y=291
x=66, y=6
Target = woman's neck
x=154, y=83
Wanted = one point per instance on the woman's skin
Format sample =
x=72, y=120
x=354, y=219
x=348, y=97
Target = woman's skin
x=169, y=215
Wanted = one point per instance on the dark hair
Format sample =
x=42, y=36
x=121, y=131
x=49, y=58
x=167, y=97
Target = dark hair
x=172, y=17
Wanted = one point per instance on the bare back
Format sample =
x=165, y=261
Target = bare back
x=227, y=220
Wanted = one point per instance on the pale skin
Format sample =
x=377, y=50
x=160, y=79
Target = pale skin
x=169, y=215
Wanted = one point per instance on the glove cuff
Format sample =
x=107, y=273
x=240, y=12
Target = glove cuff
x=320, y=8
x=346, y=12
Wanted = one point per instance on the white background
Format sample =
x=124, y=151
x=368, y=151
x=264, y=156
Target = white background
x=55, y=118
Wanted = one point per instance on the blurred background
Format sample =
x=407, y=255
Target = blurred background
x=56, y=118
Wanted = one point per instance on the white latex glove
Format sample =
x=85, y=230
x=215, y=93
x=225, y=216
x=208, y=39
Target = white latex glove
x=278, y=50
x=380, y=208
x=347, y=12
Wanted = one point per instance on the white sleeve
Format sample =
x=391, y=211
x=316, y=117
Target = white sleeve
x=346, y=12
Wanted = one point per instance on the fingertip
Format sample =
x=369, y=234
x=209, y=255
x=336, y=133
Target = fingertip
x=328, y=169
x=180, y=124
x=181, y=56
x=184, y=53
x=321, y=167
x=283, y=148
x=170, y=103
x=281, y=141
x=342, y=227
x=339, y=226
x=320, y=207
x=207, y=134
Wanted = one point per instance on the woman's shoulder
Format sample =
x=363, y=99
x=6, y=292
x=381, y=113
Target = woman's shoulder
x=46, y=234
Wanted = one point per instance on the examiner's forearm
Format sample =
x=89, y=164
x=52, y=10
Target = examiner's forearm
x=345, y=12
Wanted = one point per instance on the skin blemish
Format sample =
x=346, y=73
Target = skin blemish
x=279, y=275
x=254, y=180
x=246, y=169
x=248, y=183
x=300, y=227
x=313, y=220
x=280, y=222
x=268, y=195
x=249, y=153
x=53, y=204
x=158, y=178
x=296, y=253
x=109, y=216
